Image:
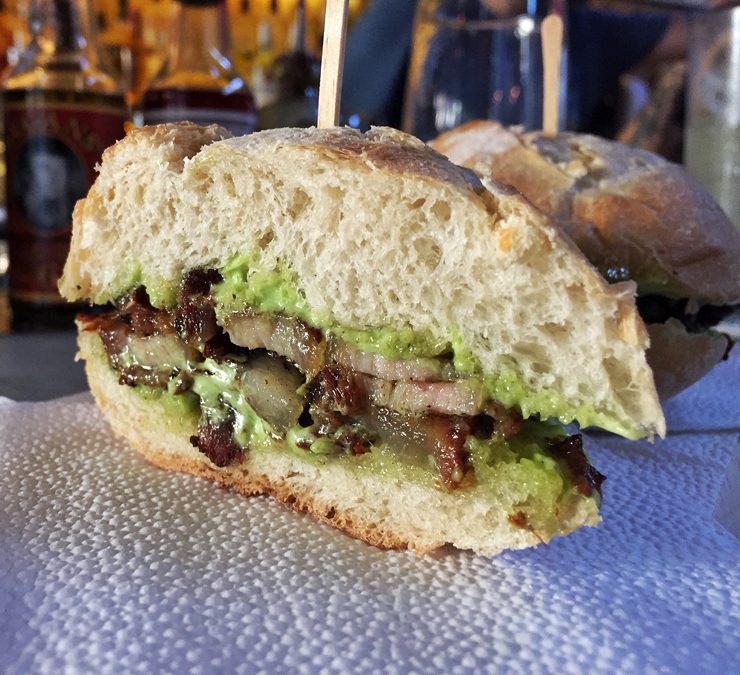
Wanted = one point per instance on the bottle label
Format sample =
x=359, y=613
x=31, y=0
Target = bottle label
x=234, y=112
x=239, y=124
x=51, y=153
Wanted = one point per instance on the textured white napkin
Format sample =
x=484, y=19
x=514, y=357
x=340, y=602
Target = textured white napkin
x=109, y=565
x=728, y=504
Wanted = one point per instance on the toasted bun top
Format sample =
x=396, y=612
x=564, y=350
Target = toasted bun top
x=375, y=230
x=634, y=214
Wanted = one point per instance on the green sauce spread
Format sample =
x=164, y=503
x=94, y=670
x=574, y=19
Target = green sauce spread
x=215, y=384
x=264, y=291
x=161, y=294
x=246, y=285
x=521, y=462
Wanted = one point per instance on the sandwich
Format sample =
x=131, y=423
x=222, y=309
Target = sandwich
x=635, y=216
x=357, y=327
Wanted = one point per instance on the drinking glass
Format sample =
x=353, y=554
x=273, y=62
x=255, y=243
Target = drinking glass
x=712, y=135
x=468, y=63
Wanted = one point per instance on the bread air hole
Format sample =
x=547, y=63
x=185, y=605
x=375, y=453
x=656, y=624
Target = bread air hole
x=620, y=379
x=442, y=211
x=536, y=354
x=335, y=193
x=299, y=203
x=577, y=294
x=429, y=253
x=561, y=333
x=266, y=239
x=229, y=184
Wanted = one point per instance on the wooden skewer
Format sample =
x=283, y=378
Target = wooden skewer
x=552, y=40
x=332, y=62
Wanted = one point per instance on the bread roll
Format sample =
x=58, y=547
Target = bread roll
x=363, y=235
x=634, y=215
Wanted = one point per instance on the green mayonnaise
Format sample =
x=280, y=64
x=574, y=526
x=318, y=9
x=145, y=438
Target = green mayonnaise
x=216, y=386
x=264, y=291
x=274, y=291
x=161, y=293
x=540, y=484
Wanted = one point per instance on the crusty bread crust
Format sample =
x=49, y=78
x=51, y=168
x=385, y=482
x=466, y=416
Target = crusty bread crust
x=630, y=211
x=374, y=230
x=385, y=513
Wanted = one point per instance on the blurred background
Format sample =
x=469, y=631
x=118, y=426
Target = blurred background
x=134, y=33
x=421, y=65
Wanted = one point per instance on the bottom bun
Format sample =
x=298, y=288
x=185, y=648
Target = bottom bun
x=383, y=511
x=679, y=358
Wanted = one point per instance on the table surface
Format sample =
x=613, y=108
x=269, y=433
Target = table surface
x=40, y=366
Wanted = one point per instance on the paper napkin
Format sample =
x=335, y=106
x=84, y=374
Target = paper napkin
x=110, y=565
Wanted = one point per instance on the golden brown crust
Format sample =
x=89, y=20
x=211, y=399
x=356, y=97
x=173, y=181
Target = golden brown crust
x=381, y=148
x=631, y=212
x=132, y=418
x=663, y=228
x=528, y=172
x=248, y=485
x=164, y=441
x=182, y=140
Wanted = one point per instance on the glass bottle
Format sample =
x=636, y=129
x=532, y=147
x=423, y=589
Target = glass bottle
x=296, y=75
x=263, y=84
x=198, y=82
x=478, y=60
x=61, y=111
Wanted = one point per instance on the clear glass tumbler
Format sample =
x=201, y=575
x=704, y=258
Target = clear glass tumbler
x=712, y=133
x=468, y=63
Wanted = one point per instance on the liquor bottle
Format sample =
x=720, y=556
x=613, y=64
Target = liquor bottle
x=244, y=38
x=116, y=42
x=198, y=82
x=151, y=28
x=61, y=111
x=263, y=85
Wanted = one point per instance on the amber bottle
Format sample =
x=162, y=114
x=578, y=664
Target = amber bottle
x=198, y=82
x=61, y=111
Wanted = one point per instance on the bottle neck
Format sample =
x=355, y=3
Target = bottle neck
x=200, y=37
x=63, y=51
x=62, y=27
x=199, y=53
x=68, y=33
x=298, y=29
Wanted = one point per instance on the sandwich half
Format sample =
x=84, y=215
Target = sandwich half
x=356, y=326
x=635, y=216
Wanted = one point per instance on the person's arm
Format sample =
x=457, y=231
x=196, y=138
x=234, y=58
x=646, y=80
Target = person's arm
x=375, y=61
